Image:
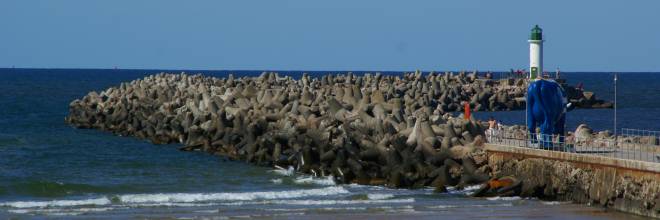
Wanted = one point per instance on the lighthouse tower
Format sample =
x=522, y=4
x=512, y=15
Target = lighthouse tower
x=535, y=53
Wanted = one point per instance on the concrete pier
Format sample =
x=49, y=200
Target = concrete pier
x=631, y=186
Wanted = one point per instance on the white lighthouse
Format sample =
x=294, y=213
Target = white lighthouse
x=535, y=53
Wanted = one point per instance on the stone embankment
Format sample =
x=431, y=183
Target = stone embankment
x=624, y=176
x=624, y=185
x=372, y=129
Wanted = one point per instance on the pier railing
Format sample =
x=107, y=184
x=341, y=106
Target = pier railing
x=632, y=144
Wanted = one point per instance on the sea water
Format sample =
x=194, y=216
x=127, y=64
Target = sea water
x=49, y=169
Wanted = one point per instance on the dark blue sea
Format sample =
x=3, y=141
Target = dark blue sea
x=51, y=170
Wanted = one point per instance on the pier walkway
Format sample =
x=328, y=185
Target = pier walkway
x=624, y=147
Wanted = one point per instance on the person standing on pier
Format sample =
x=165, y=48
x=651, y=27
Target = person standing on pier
x=492, y=128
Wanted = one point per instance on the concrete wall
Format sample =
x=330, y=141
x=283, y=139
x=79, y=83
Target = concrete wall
x=624, y=185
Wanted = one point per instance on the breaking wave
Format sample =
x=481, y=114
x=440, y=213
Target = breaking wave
x=202, y=197
x=498, y=198
x=379, y=196
x=180, y=198
x=321, y=202
x=57, y=203
x=325, y=181
x=284, y=172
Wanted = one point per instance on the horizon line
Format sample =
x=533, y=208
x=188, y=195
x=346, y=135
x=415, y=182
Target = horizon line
x=294, y=70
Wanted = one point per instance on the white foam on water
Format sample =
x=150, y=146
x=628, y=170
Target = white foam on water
x=405, y=208
x=498, y=198
x=379, y=196
x=319, y=202
x=313, y=209
x=64, y=213
x=167, y=199
x=410, y=209
x=472, y=187
x=374, y=187
x=324, y=181
x=357, y=186
x=267, y=216
x=59, y=211
x=207, y=211
x=103, y=209
x=171, y=204
x=467, y=190
x=342, y=208
x=466, y=206
x=554, y=203
x=341, y=202
x=284, y=172
x=442, y=206
x=287, y=210
x=287, y=214
x=57, y=203
x=243, y=196
x=492, y=205
x=276, y=181
x=19, y=211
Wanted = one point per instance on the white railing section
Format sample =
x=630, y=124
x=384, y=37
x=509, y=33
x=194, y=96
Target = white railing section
x=632, y=144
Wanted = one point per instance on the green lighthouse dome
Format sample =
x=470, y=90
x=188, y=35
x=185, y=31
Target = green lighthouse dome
x=537, y=33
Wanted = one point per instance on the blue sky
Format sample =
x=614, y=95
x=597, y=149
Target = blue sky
x=328, y=35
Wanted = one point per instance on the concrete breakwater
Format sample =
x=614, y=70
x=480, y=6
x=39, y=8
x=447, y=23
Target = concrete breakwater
x=372, y=129
x=597, y=168
x=631, y=186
